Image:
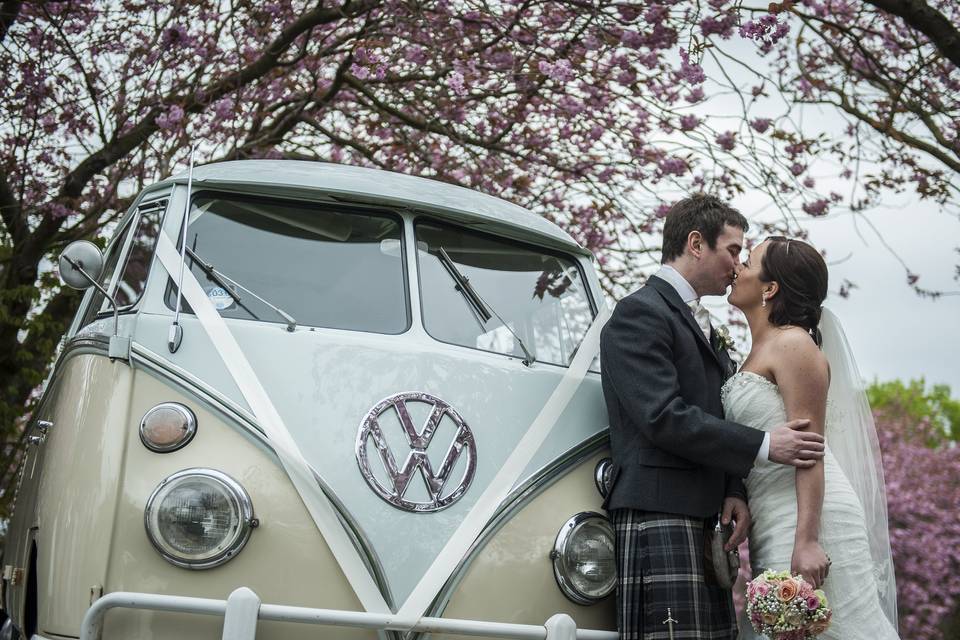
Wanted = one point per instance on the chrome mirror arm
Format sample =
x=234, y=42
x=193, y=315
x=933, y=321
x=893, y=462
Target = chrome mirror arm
x=119, y=345
x=116, y=311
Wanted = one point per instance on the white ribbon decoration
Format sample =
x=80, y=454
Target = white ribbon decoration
x=268, y=418
x=499, y=488
x=321, y=510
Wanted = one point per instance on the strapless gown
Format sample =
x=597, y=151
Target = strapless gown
x=851, y=586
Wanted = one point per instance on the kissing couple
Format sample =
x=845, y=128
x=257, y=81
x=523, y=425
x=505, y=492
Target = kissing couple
x=784, y=449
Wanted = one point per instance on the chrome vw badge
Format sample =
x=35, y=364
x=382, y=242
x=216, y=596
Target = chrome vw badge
x=441, y=492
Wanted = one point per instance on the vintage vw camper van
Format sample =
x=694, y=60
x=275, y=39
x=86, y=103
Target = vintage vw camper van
x=301, y=394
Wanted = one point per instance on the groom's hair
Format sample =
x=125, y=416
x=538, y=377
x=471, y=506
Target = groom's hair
x=700, y=212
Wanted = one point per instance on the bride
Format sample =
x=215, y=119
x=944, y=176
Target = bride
x=827, y=523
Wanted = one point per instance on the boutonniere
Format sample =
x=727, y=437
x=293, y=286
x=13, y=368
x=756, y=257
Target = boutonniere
x=724, y=340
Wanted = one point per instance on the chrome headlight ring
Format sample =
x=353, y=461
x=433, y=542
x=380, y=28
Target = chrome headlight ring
x=167, y=427
x=584, y=560
x=199, y=518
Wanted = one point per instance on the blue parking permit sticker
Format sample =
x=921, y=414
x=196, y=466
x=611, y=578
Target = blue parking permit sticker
x=220, y=298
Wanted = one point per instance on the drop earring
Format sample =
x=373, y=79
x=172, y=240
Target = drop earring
x=763, y=299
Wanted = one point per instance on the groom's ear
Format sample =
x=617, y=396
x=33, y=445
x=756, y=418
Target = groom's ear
x=695, y=244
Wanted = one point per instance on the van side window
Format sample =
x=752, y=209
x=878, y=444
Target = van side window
x=145, y=227
x=112, y=257
x=540, y=296
x=133, y=278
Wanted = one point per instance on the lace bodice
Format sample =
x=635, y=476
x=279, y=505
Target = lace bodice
x=752, y=400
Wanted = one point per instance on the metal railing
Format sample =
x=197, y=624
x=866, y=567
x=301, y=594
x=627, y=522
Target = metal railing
x=243, y=609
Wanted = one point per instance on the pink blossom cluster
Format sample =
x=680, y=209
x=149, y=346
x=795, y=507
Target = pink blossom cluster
x=766, y=29
x=923, y=494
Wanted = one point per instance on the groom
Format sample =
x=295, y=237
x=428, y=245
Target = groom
x=677, y=463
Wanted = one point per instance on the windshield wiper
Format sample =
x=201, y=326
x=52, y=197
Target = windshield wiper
x=477, y=303
x=225, y=283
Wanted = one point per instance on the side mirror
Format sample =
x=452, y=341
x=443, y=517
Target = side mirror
x=81, y=264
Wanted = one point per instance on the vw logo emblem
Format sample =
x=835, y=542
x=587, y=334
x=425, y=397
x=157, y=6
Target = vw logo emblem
x=440, y=489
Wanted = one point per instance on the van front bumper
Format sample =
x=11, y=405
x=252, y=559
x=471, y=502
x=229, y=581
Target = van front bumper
x=243, y=608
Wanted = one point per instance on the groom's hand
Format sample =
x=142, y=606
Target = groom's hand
x=790, y=444
x=736, y=509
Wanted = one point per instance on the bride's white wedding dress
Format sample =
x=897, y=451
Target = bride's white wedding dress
x=851, y=585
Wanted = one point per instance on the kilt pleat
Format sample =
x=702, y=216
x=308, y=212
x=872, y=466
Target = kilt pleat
x=660, y=565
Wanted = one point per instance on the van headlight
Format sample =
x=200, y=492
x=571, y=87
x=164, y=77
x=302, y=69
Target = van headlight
x=584, y=562
x=199, y=518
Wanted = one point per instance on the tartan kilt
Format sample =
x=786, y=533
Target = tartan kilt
x=660, y=566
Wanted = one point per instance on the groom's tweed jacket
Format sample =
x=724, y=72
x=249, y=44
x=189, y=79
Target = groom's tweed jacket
x=672, y=451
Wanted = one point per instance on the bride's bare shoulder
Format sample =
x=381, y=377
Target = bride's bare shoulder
x=795, y=348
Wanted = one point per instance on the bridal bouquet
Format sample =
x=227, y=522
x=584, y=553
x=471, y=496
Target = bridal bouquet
x=785, y=607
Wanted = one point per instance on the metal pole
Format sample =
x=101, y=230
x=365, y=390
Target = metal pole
x=176, y=331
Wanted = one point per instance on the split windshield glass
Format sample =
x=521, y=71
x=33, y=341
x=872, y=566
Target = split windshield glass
x=325, y=267
x=540, y=295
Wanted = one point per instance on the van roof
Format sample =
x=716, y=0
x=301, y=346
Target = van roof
x=382, y=188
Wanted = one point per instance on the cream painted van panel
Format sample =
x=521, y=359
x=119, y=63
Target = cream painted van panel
x=76, y=497
x=286, y=561
x=511, y=577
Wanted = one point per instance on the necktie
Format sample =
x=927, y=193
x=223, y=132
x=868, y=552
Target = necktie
x=702, y=316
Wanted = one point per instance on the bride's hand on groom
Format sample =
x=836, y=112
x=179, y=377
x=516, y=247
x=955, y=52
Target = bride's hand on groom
x=810, y=561
x=791, y=444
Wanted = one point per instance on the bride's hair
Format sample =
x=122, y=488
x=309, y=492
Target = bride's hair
x=801, y=273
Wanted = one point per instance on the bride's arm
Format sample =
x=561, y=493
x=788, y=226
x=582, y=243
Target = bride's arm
x=803, y=376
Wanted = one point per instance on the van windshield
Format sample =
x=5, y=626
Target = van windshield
x=325, y=267
x=539, y=295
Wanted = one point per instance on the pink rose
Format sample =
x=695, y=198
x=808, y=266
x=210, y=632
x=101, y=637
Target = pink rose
x=787, y=590
x=763, y=588
x=813, y=602
x=805, y=590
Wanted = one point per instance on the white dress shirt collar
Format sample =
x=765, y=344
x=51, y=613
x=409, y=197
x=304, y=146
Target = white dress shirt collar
x=678, y=282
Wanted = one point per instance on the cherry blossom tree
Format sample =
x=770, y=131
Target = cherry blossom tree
x=594, y=113
x=886, y=69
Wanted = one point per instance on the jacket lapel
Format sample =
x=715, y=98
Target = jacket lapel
x=670, y=295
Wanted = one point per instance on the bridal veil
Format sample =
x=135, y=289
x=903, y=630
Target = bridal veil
x=852, y=437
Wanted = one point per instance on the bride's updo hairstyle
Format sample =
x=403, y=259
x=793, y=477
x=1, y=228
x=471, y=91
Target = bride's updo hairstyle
x=801, y=274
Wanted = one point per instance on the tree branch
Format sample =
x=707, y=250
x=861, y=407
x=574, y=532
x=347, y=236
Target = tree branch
x=425, y=125
x=10, y=209
x=8, y=15
x=892, y=132
x=121, y=145
x=943, y=34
